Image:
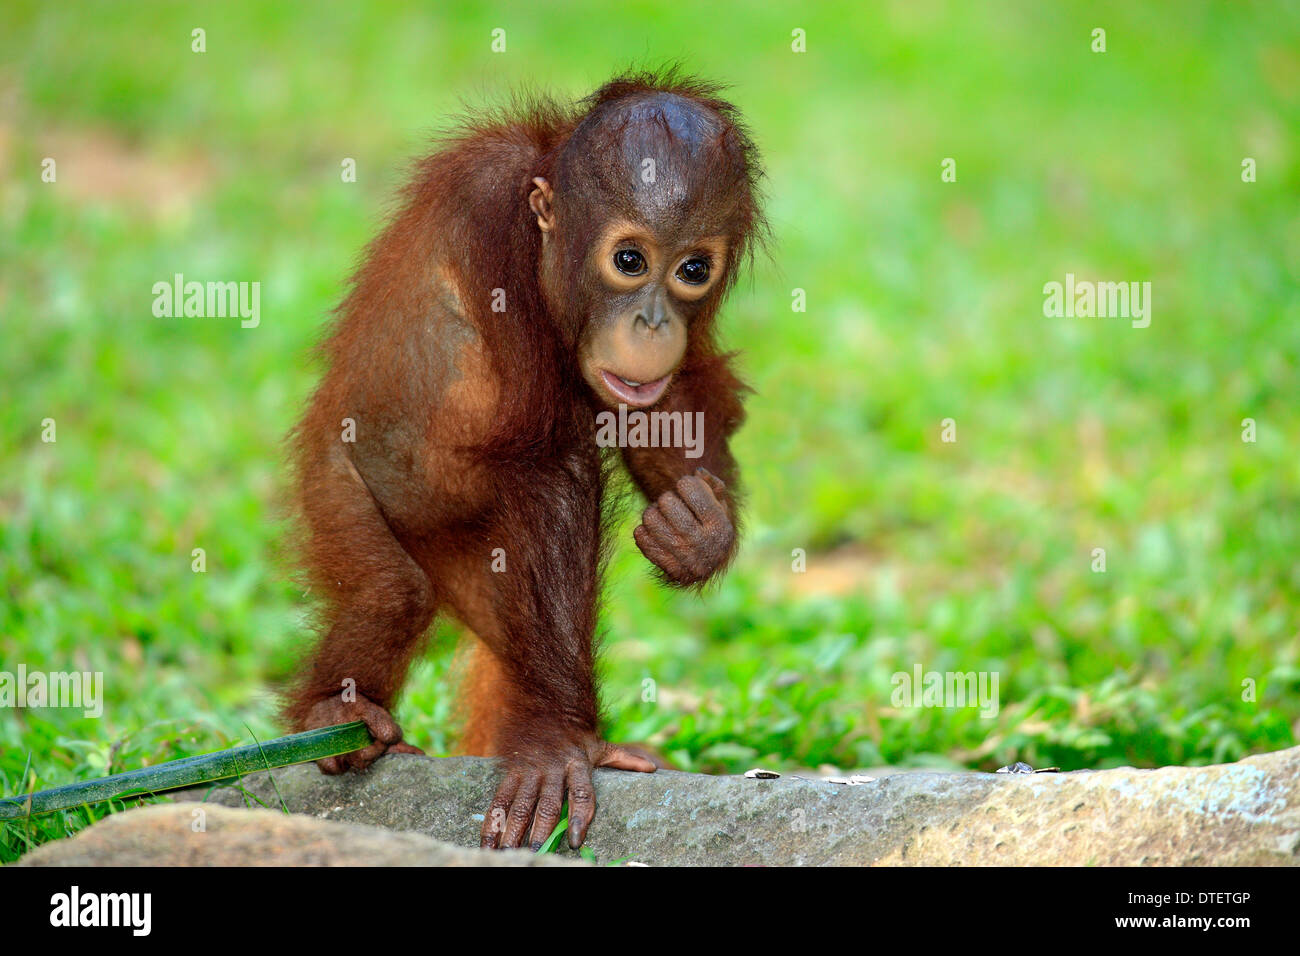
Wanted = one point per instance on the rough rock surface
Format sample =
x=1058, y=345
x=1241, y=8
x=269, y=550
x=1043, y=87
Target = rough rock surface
x=1244, y=813
x=166, y=836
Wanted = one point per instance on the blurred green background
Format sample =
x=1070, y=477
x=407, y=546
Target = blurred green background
x=924, y=302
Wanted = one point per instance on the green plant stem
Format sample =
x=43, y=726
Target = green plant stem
x=188, y=771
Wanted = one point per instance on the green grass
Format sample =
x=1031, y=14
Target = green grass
x=924, y=303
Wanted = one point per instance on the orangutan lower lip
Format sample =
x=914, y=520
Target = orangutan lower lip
x=638, y=393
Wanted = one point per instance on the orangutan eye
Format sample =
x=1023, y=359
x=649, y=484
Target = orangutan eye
x=629, y=262
x=694, y=271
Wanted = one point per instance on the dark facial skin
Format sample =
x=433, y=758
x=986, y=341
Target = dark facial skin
x=660, y=249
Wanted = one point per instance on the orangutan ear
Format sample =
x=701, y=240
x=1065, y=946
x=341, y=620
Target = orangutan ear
x=540, y=202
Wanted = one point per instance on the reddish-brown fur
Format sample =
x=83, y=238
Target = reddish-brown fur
x=474, y=431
